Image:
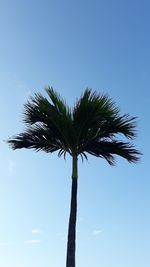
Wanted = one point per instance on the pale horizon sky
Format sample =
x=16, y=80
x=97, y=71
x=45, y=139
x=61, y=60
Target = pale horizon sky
x=70, y=45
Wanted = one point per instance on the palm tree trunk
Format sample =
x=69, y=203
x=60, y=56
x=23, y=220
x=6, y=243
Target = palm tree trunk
x=71, y=245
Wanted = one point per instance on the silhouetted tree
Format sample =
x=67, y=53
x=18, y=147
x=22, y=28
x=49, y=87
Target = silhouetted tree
x=93, y=126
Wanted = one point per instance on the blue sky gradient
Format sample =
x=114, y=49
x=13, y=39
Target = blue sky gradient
x=71, y=45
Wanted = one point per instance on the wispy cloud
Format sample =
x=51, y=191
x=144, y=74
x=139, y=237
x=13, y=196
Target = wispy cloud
x=36, y=231
x=97, y=232
x=9, y=243
x=32, y=241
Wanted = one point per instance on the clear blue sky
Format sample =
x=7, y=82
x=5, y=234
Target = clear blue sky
x=70, y=45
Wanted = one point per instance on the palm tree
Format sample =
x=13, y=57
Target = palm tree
x=92, y=126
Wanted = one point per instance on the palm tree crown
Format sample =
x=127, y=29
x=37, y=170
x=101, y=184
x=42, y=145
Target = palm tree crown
x=92, y=126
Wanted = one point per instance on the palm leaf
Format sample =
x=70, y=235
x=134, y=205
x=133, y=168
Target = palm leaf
x=53, y=114
x=97, y=116
x=107, y=150
x=37, y=138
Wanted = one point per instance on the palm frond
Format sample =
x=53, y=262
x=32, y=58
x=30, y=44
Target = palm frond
x=64, y=116
x=87, y=112
x=96, y=116
x=124, y=125
x=59, y=104
x=107, y=150
x=53, y=114
x=37, y=138
x=36, y=110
